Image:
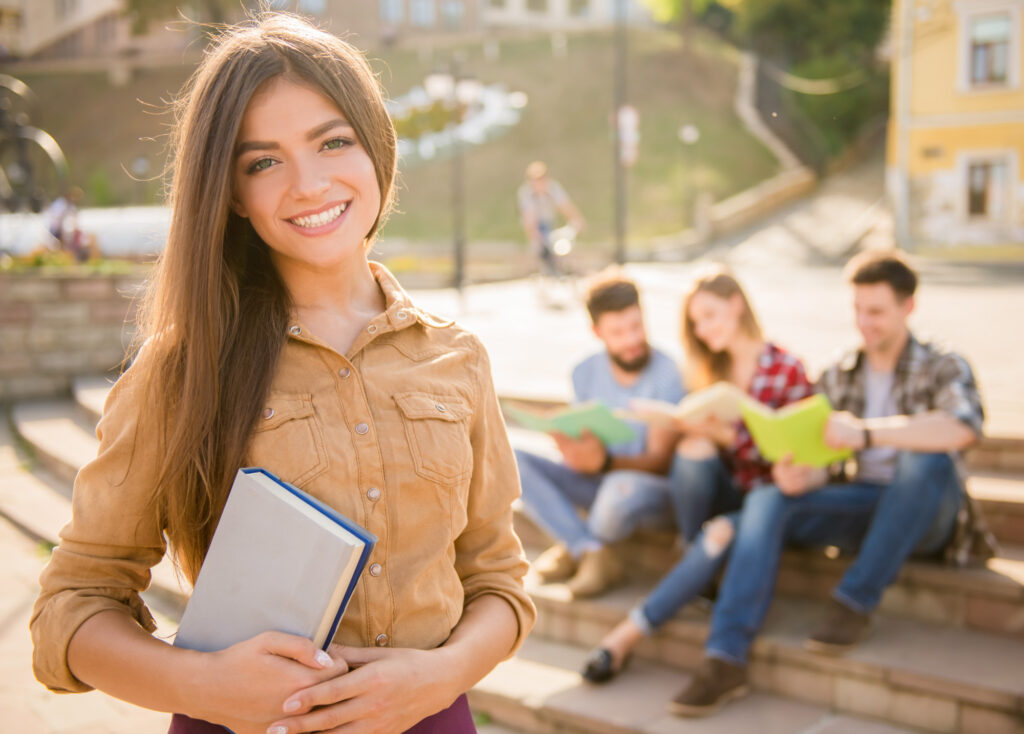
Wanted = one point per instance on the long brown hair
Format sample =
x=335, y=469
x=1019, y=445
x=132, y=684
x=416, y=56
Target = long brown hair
x=702, y=366
x=215, y=313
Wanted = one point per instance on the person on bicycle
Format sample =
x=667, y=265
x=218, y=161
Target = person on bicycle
x=540, y=200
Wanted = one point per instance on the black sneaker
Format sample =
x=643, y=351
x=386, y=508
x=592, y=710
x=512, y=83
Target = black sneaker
x=600, y=666
x=715, y=683
x=840, y=630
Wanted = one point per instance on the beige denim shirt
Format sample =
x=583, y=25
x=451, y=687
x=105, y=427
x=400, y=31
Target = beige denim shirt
x=403, y=435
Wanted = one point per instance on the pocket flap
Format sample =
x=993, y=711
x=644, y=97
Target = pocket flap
x=280, y=408
x=421, y=405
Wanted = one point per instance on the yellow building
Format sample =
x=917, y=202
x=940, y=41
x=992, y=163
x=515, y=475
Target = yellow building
x=956, y=134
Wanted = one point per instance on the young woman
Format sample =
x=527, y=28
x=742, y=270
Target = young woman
x=271, y=340
x=716, y=464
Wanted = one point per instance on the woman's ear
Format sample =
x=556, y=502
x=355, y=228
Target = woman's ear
x=237, y=208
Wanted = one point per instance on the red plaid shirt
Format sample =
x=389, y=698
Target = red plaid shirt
x=780, y=379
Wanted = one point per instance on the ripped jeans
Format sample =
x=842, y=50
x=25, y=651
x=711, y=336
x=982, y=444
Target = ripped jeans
x=701, y=489
x=619, y=502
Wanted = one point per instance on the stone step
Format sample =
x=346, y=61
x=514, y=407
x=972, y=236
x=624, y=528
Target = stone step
x=39, y=504
x=540, y=691
x=908, y=673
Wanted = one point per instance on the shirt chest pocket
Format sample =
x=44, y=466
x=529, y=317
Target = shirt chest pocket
x=437, y=431
x=288, y=440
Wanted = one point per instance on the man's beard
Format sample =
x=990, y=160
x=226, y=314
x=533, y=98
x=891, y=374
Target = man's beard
x=634, y=365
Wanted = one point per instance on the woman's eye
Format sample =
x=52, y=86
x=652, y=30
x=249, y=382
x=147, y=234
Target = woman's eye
x=337, y=143
x=260, y=165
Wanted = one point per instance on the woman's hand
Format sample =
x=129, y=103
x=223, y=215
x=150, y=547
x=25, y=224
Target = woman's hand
x=721, y=434
x=794, y=480
x=245, y=686
x=388, y=690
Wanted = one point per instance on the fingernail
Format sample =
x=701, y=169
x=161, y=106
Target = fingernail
x=324, y=659
x=277, y=730
x=292, y=704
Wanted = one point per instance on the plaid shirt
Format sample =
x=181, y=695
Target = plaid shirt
x=927, y=377
x=780, y=379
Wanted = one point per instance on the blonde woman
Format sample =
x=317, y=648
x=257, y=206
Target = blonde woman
x=716, y=464
x=271, y=340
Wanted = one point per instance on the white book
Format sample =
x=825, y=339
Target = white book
x=721, y=400
x=280, y=560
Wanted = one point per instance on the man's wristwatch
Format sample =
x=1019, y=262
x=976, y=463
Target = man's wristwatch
x=607, y=463
x=867, y=437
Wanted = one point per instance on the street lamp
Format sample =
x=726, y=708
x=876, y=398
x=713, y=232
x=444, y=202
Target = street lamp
x=688, y=136
x=458, y=93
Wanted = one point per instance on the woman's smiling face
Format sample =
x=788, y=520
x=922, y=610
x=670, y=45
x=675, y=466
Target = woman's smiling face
x=302, y=178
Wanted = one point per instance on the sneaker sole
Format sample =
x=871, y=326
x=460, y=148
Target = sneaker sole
x=690, y=711
x=829, y=648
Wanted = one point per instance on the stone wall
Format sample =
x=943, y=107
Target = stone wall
x=54, y=327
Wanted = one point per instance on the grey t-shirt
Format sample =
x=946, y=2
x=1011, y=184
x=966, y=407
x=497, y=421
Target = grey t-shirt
x=592, y=379
x=877, y=465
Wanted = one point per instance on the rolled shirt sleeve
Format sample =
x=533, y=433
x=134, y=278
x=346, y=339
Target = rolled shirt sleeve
x=489, y=557
x=956, y=392
x=105, y=553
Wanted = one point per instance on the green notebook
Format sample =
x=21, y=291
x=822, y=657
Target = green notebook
x=797, y=429
x=593, y=416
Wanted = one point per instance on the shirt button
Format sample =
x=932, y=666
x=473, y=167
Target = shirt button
x=344, y=372
x=295, y=330
x=375, y=569
x=268, y=412
x=381, y=640
x=372, y=328
x=403, y=315
x=362, y=428
x=373, y=494
x=441, y=407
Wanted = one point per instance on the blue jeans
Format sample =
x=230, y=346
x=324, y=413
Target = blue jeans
x=619, y=502
x=701, y=489
x=916, y=513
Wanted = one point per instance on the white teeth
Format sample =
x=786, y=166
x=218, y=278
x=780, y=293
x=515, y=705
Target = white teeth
x=319, y=220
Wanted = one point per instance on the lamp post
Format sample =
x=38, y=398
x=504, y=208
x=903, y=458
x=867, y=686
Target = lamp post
x=688, y=136
x=457, y=92
x=620, y=102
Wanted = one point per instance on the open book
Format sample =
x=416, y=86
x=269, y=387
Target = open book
x=280, y=560
x=593, y=416
x=721, y=400
x=797, y=429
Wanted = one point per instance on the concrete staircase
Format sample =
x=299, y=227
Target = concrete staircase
x=947, y=654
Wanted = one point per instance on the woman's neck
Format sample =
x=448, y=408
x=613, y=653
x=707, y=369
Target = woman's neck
x=743, y=354
x=347, y=289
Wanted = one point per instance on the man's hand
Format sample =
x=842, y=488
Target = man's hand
x=585, y=454
x=719, y=433
x=794, y=480
x=844, y=431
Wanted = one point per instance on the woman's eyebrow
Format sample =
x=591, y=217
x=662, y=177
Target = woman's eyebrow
x=316, y=132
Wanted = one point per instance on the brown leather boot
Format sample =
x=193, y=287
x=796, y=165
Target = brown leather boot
x=715, y=683
x=840, y=630
x=555, y=564
x=599, y=571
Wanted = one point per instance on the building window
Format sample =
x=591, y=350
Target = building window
x=453, y=12
x=422, y=13
x=986, y=182
x=579, y=8
x=537, y=6
x=990, y=48
x=392, y=11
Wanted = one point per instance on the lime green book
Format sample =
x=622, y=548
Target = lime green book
x=797, y=429
x=592, y=416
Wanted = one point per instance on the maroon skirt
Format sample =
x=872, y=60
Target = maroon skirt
x=456, y=719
